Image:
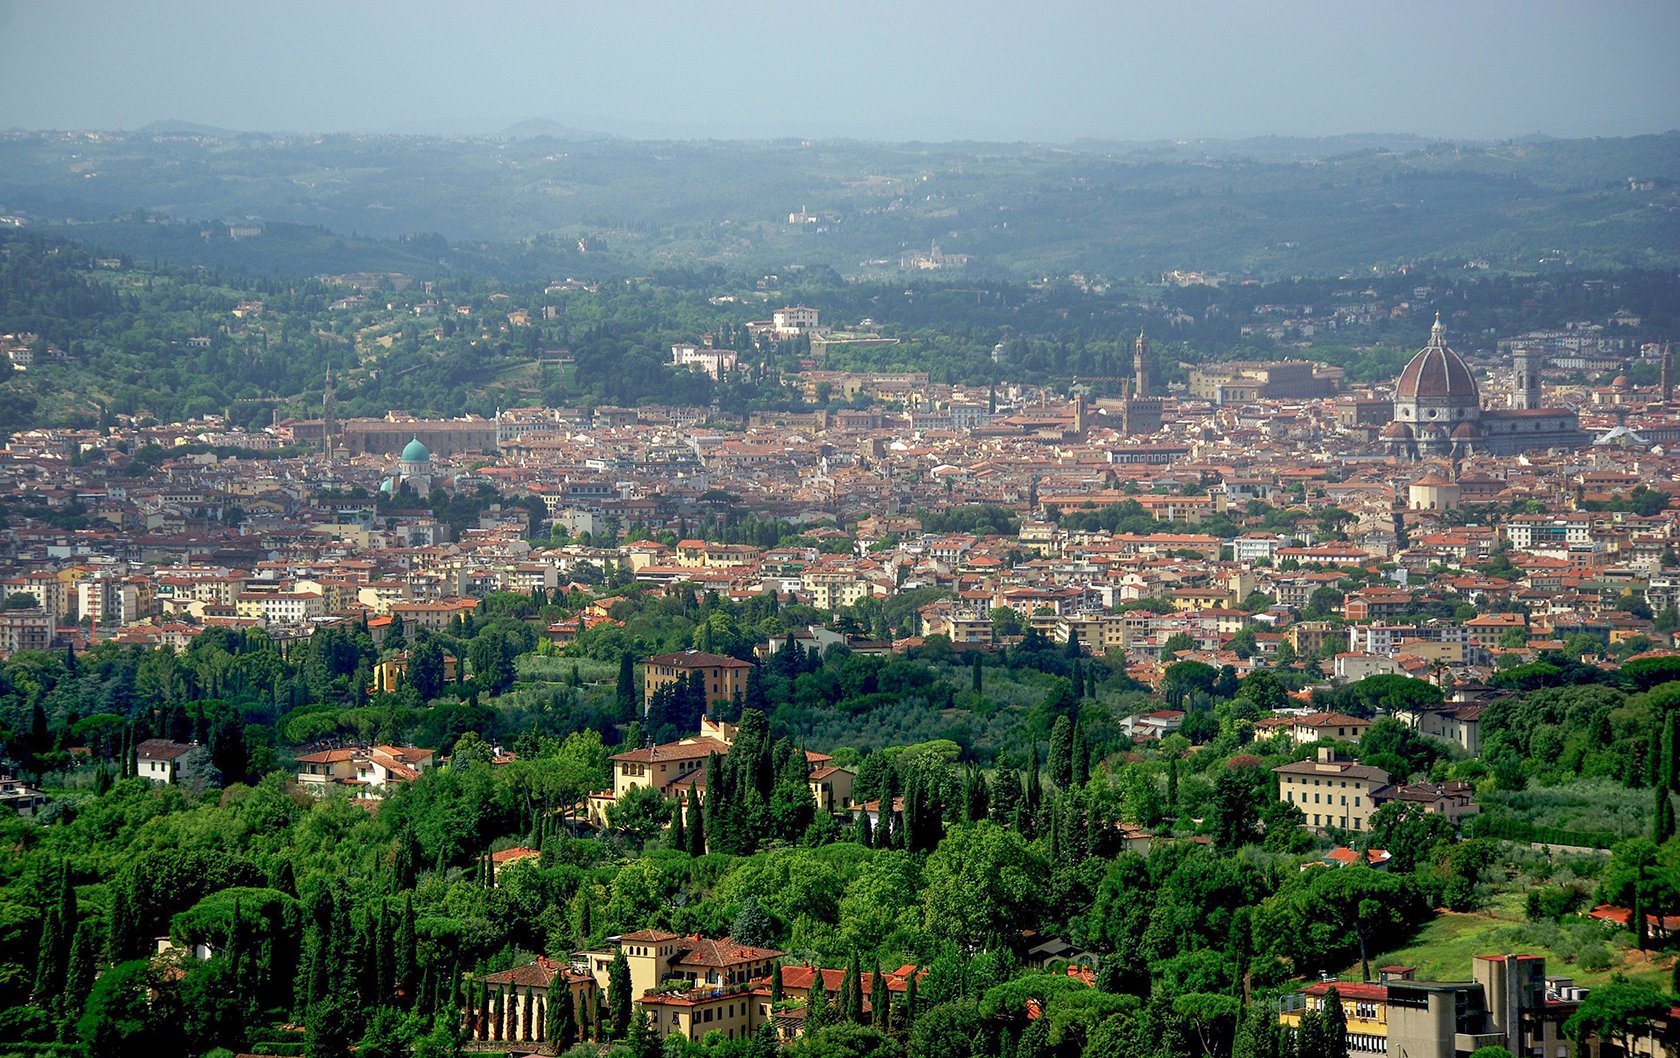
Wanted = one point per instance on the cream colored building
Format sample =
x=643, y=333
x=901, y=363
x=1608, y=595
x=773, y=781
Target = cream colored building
x=1330, y=791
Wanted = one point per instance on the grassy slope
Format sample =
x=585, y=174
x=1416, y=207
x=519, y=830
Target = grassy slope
x=1444, y=949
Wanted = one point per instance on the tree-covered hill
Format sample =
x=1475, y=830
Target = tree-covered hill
x=1017, y=209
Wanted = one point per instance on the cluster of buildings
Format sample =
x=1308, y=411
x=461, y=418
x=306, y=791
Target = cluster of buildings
x=100, y=548
x=686, y=984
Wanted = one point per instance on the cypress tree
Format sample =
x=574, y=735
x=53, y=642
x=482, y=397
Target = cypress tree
x=1257, y=1034
x=1335, y=1025
x=976, y=680
x=1172, y=785
x=384, y=970
x=561, y=1020
x=977, y=797
x=1662, y=824
x=696, y=824
x=121, y=935
x=854, y=991
x=816, y=1002
x=1671, y=751
x=643, y=1042
x=78, y=976
x=583, y=915
x=527, y=1031
x=679, y=840
x=843, y=999
x=626, y=686
x=1081, y=756
x=776, y=982
x=53, y=950
x=909, y=1005
x=718, y=826
x=618, y=994
x=407, y=951
x=233, y=949
x=860, y=828
x=880, y=1001
x=1061, y=753
x=319, y=952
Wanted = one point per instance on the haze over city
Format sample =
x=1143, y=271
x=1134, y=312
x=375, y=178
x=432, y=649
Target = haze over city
x=873, y=70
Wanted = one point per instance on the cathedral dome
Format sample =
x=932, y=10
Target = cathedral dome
x=414, y=452
x=1467, y=431
x=1437, y=376
x=1397, y=431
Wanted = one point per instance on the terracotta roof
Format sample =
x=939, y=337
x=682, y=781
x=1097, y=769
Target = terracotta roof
x=536, y=974
x=687, y=749
x=704, y=951
x=1437, y=373
x=699, y=659
x=161, y=749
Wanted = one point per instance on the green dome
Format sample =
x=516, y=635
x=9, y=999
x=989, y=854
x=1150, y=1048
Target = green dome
x=415, y=452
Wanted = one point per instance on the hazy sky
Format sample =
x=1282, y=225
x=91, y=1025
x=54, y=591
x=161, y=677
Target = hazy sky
x=1044, y=70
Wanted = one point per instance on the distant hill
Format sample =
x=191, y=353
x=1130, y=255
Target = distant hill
x=544, y=128
x=177, y=127
x=1263, y=208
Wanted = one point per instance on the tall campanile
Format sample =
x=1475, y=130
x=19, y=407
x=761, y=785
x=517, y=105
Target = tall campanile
x=1143, y=366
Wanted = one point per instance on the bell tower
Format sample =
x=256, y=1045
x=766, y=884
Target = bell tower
x=1143, y=366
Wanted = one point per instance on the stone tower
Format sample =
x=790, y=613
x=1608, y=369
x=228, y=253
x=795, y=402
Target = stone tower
x=329, y=423
x=1667, y=380
x=1143, y=366
x=1525, y=390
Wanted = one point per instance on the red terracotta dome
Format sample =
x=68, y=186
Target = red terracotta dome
x=1397, y=431
x=1437, y=375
